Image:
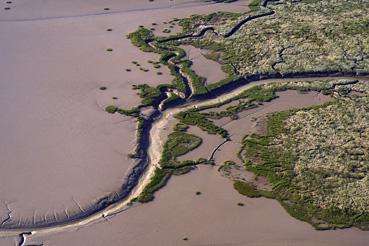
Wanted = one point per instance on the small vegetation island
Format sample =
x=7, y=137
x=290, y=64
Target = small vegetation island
x=315, y=159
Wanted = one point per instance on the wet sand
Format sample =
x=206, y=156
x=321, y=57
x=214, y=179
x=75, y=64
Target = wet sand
x=209, y=69
x=212, y=218
x=59, y=151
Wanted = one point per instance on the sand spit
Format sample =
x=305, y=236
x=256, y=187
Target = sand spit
x=212, y=218
x=60, y=152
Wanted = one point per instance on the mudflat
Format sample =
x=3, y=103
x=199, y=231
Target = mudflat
x=62, y=63
x=211, y=218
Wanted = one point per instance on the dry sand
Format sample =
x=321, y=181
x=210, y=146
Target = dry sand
x=212, y=218
x=59, y=151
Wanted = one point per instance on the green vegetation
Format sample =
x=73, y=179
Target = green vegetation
x=158, y=181
x=179, y=143
x=231, y=112
x=138, y=38
x=178, y=81
x=253, y=96
x=111, y=109
x=196, y=81
x=317, y=160
x=134, y=112
x=180, y=127
x=249, y=190
x=147, y=93
x=192, y=117
x=289, y=40
x=254, y=5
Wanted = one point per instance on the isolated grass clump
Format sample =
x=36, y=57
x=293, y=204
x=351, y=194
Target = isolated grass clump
x=111, y=109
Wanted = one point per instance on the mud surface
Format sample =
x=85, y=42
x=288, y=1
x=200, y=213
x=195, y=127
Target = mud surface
x=212, y=218
x=60, y=153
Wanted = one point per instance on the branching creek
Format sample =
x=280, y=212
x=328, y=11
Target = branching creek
x=149, y=142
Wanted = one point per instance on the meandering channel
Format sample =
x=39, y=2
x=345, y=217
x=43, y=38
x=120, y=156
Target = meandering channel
x=154, y=153
x=151, y=144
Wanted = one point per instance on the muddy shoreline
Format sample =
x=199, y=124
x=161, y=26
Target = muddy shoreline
x=139, y=171
x=142, y=166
